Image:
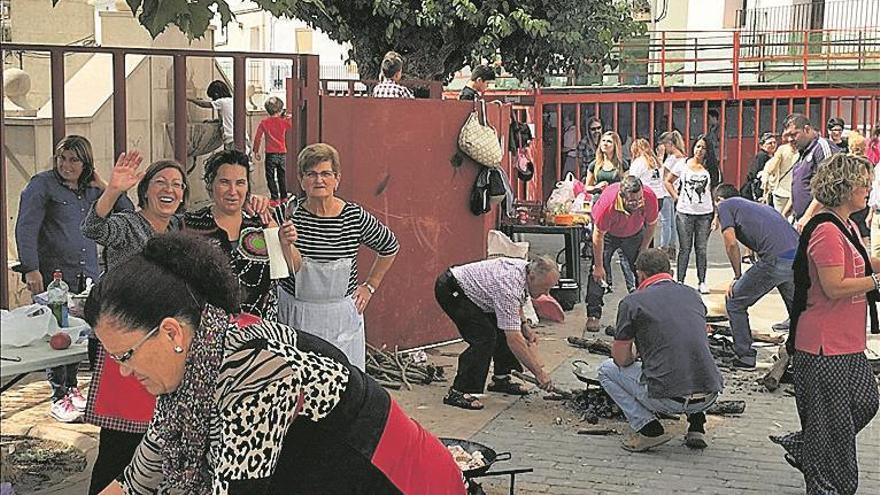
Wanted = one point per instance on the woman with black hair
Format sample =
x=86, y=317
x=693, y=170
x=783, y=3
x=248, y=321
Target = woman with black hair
x=249, y=407
x=228, y=180
x=835, y=133
x=695, y=210
x=221, y=101
x=48, y=238
x=119, y=404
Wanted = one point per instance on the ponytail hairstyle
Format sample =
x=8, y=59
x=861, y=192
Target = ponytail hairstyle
x=174, y=276
x=642, y=148
x=674, y=138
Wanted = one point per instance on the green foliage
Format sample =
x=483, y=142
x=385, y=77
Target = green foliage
x=531, y=38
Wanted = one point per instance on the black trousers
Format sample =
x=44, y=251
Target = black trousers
x=275, y=175
x=486, y=342
x=115, y=451
x=630, y=248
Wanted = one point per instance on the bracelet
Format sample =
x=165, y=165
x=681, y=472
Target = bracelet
x=369, y=288
x=875, y=277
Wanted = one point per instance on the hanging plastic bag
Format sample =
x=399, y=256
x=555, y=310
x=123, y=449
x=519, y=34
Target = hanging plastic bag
x=561, y=198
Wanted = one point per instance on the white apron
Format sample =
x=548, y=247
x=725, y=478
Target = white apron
x=321, y=308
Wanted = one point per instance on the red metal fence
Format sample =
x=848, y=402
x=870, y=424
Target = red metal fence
x=741, y=119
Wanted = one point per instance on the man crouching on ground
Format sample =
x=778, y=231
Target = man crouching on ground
x=484, y=299
x=666, y=321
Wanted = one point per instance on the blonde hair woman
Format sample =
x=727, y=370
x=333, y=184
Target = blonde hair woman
x=777, y=178
x=649, y=170
x=608, y=167
x=673, y=146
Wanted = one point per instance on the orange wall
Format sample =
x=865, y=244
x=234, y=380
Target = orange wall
x=395, y=163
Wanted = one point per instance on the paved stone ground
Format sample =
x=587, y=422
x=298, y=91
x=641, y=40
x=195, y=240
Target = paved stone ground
x=739, y=459
x=543, y=435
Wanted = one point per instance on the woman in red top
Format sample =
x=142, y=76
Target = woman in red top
x=835, y=279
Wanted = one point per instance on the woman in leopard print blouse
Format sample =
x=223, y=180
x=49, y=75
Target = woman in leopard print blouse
x=246, y=406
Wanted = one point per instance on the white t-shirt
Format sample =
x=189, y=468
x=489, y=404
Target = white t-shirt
x=695, y=196
x=652, y=178
x=223, y=106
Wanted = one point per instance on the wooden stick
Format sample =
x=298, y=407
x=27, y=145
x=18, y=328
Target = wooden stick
x=772, y=378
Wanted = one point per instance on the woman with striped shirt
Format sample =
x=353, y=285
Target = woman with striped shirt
x=324, y=298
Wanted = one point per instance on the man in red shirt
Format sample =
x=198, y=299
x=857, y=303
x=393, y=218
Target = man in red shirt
x=624, y=217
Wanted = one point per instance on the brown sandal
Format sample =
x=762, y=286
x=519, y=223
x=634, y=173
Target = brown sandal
x=462, y=400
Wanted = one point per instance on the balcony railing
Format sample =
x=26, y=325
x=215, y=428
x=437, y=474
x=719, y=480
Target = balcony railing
x=811, y=15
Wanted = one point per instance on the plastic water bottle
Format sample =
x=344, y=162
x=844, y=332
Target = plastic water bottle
x=58, y=291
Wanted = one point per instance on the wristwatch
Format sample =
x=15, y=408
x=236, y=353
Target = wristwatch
x=369, y=288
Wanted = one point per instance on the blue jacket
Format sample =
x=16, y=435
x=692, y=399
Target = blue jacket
x=47, y=232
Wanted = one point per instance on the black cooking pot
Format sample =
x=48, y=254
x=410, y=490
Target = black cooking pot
x=489, y=455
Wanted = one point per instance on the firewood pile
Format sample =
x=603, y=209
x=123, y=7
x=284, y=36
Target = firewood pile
x=395, y=370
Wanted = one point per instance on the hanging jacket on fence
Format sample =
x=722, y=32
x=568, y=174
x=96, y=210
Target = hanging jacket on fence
x=491, y=187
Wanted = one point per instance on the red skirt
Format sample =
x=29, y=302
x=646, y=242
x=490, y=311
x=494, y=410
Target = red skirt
x=414, y=460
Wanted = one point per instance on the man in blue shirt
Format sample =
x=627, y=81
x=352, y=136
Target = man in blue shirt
x=813, y=149
x=763, y=230
x=48, y=237
x=673, y=371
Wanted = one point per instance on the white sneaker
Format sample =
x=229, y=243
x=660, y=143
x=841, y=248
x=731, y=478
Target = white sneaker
x=64, y=411
x=704, y=289
x=77, y=399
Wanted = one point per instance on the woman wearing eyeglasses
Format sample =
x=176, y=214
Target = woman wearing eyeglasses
x=324, y=297
x=119, y=404
x=228, y=180
x=248, y=406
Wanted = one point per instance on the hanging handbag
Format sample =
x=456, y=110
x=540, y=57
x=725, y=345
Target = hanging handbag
x=478, y=140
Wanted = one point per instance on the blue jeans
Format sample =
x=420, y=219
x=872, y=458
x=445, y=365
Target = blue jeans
x=628, y=275
x=765, y=274
x=630, y=393
x=668, y=231
x=693, y=231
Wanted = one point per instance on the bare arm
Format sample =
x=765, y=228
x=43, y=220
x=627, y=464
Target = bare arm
x=200, y=103
x=648, y=235
x=836, y=286
x=731, y=247
x=114, y=488
x=598, y=254
x=622, y=352
x=669, y=182
x=527, y=356
x=124, y=176
x=363, y=294
x=815, y=205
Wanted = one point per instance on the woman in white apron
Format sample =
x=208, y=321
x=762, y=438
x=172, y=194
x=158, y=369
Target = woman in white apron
x=325, y=297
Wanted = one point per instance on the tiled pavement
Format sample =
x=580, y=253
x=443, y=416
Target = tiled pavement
x=543, y=435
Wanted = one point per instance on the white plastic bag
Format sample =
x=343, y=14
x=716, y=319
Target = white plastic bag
x=26, y=325
x=562, y=196
x=501, y=245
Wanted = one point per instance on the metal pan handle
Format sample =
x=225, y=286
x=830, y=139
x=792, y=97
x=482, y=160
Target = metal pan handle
x=503, y=456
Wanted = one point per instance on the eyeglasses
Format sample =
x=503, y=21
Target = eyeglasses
x=324, y=174
x=164, y=184
x=836, y=129
x=125, y=356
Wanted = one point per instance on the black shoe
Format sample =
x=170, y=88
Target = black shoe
x=737, y=364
